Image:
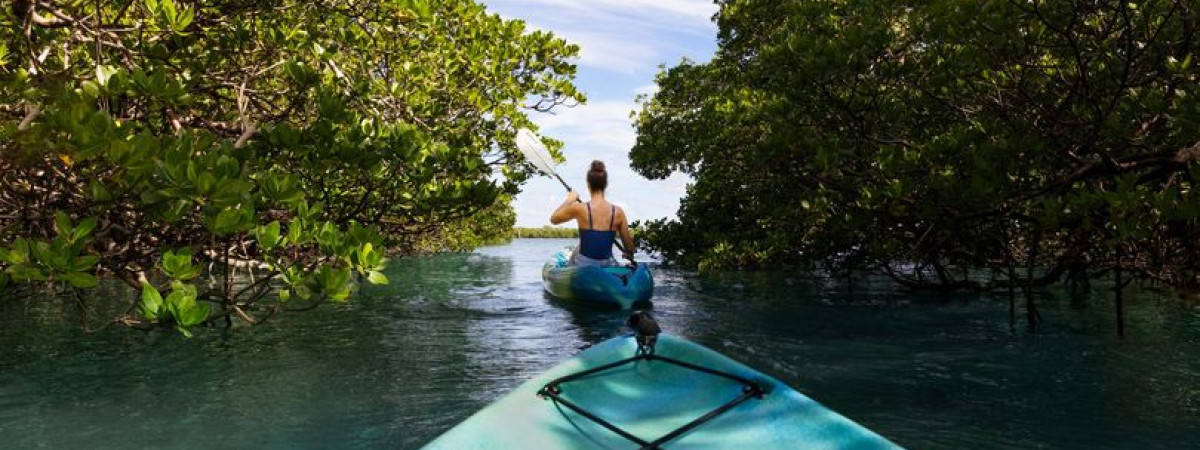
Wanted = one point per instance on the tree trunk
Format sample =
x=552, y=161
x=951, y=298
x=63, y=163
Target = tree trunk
x=1032, y=316
x=1120, y=301
x=1011, y=267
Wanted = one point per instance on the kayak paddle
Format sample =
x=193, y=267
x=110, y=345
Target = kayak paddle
x=537, y=154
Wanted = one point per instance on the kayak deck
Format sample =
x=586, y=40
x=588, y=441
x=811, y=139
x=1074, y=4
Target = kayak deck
x=620, y=287
x=650, y=399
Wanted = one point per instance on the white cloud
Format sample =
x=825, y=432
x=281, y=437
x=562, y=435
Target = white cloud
x=602, y=123
x=622, y=43
x=693, y=10
x=667, y=15
x=612, y=52
x=621, y=36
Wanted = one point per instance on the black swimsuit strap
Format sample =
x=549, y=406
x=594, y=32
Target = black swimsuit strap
x=589, y=207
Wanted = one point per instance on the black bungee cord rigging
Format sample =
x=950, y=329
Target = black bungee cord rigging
x=646, y=331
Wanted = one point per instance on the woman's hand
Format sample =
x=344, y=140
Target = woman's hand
x=565, y=210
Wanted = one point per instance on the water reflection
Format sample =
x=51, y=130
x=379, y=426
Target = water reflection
x=401, y=363
x=592, y=324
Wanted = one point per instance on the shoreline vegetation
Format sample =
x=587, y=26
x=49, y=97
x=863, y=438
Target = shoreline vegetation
x=545, y=232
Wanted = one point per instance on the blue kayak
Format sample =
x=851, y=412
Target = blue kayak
x=651, y=403
x=612, y=286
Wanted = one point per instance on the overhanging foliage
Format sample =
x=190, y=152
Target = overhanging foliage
x=298, y=140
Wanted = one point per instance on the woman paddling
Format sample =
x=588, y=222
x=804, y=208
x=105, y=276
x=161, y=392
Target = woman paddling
x=599, y=222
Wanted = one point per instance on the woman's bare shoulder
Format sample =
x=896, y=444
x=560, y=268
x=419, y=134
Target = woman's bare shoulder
x=578, y=209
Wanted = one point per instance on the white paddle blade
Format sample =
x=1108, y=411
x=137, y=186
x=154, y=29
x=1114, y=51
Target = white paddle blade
x=534, y=151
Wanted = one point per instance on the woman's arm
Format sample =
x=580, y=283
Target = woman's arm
x=626, y=235
x=565, y=211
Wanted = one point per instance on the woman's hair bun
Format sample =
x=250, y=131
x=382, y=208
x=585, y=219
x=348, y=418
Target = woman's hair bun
x=597, y=177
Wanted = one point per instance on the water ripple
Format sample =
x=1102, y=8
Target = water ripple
x=401, y=363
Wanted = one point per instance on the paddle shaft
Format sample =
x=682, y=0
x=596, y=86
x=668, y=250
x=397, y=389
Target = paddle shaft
x=560, y=180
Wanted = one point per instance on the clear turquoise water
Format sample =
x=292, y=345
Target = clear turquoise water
x=402, y=363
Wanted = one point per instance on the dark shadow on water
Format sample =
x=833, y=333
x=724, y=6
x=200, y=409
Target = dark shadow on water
x=594, y=323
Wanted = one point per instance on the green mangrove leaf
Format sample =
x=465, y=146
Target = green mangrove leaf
x=103, y=73
x=230, y=221
x=18, y=254
x=83, y=229
x=84, y=262
x=152, y=302
x=268, y=235
x=178, y=264
x=80, y=280
x=62, y=223
x=376, y=277
x=26, y=272
x=196, y=313
x=180, y=302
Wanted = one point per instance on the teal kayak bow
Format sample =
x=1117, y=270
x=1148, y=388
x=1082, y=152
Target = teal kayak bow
x=615, y=395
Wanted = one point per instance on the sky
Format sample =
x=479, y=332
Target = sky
x=622, y=44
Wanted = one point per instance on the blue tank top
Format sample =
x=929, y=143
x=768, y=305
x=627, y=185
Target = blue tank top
x=597, y=244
